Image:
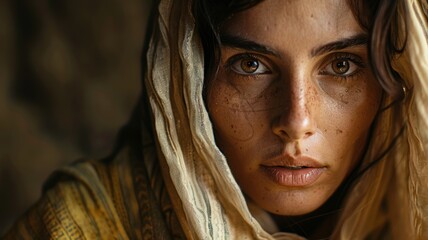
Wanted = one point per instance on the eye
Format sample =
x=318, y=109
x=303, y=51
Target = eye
x=343, y=65
x=340, y=66
x=247, y=65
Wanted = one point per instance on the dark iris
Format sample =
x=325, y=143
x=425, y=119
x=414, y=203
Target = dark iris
x=340, y=66
x=249, y=65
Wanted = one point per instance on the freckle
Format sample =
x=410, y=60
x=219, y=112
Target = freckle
x=312, y=15
x=277, y=211
x=325, y=130
x=232, y=126
x=307, y=150
x=338, y=131
x=342, y=98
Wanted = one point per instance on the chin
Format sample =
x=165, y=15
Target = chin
x=293, y=203
x=294, y=211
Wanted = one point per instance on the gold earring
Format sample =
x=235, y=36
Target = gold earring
x=404, y=91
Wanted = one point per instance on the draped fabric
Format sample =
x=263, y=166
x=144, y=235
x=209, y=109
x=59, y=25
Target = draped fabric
x=122, y=198
x=177, y=184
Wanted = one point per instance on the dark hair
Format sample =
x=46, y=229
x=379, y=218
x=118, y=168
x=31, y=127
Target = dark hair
x=378, y=17
x=209, y=17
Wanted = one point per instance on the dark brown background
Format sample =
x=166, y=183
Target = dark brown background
x=70, y=76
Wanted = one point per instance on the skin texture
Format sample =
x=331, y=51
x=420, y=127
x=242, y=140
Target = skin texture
x=279, y=94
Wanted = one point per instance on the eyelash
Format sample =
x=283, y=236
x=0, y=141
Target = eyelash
x=245, y=56
x=353, y=59
x=346, y=57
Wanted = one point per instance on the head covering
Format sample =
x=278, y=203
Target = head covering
x=207, y=199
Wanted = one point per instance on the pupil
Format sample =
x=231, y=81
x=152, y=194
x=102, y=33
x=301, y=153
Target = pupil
x=250, y=66
x=341, y=66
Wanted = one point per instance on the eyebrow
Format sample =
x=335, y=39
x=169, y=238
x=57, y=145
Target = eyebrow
x=243, y=43
x=357, y=40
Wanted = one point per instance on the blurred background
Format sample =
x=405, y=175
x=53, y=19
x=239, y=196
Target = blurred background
x=69, y=79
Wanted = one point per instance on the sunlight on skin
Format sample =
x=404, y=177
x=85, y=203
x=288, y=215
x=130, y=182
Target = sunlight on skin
x=293, y=101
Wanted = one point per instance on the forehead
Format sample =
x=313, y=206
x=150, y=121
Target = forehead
x=294, y=21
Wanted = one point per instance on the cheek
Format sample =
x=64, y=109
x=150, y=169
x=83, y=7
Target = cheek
x=353, y=114
x=230, y=122
x=237, y=118
x=232, y=125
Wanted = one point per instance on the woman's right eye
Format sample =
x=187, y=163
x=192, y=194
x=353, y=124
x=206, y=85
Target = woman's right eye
x=247, y=65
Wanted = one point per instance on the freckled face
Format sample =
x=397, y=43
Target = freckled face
x=293, y=101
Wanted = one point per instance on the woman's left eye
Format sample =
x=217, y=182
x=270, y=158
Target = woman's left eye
x=342, y=66
x=247, y=65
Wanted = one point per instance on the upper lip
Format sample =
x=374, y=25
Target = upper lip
x=290, y=161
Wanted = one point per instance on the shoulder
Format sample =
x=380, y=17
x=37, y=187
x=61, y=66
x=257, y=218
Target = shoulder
x=123, y=196
x=75, y=205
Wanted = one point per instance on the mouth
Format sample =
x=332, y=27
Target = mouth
x=294, y=167
x=293, y=172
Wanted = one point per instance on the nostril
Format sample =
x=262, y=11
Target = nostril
x=308, y=134
x=283, y=133
x=294, y=129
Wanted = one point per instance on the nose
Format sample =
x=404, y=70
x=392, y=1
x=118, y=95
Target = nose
x=296, y=120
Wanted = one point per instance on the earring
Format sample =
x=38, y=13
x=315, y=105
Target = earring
x=404, y=89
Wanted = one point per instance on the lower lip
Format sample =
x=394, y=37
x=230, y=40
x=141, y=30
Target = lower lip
x=293, y=177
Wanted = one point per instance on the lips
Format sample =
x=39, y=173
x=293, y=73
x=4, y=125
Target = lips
x=293, y=172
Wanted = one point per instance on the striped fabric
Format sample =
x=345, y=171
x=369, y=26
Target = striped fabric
x=121, y=198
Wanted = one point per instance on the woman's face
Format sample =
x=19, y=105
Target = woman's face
x=293, y=101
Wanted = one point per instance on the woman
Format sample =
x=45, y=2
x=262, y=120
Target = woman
x=272, y=119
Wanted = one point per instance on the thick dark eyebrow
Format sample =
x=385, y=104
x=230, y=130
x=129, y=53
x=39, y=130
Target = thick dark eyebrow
x=242, y=43
x=357, y=40
x=246, y=44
